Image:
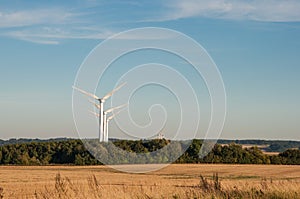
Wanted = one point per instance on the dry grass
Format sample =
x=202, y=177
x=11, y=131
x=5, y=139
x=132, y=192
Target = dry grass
x=174, y=181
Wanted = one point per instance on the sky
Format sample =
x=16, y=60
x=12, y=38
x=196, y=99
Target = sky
x=255, y=45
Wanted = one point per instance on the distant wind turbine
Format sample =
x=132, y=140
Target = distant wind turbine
x=100, y=106
x=107, y=119
x=106, y=124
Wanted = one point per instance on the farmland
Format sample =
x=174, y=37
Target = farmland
x=173, y=181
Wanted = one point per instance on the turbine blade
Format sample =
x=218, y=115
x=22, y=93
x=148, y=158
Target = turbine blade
x=97, y=105
x=114, y=108
x=86, y=93
x=112, y=116
x=108, y=95
x=94, y=113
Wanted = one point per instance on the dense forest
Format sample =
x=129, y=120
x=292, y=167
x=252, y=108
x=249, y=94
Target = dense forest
x=74, y=152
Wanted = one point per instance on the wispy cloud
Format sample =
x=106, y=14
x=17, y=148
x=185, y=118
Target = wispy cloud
x=35, y=17
x=48, y=26
x=55, y=24
x=258, y=10
x=54, y=35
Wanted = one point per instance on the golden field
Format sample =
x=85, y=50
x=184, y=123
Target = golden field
x=173, y=181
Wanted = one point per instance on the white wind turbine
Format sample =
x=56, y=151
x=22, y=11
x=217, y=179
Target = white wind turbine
x=106, y=124
x=106, y=120
x=100, y=106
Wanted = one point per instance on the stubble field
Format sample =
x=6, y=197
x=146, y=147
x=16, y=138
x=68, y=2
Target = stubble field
x=173, y=181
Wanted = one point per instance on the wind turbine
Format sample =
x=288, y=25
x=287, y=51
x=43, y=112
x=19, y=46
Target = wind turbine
x=100, y=106
x=106, y=124
x=106, y=120
x=105, y=115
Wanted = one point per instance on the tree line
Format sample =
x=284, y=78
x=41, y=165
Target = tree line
x=271, y=145
x=74, y=152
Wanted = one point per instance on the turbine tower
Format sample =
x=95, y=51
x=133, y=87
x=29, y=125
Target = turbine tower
x=100, y=106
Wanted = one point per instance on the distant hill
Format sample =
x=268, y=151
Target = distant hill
x=269, y=145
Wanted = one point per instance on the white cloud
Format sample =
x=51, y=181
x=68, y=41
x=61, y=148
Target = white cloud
x=53, y=35
x=46, y=26
x=35, y=17
x=39, y=40
x=258, y=10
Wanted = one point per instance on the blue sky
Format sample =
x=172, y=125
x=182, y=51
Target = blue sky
x=254, y=43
